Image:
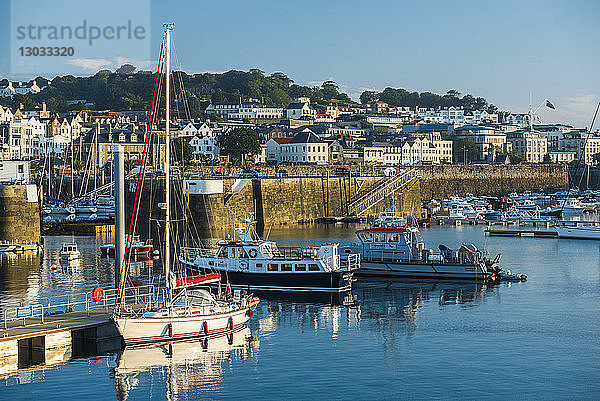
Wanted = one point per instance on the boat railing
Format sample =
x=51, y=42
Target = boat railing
x=352, y=262
x=191, y=254
x=142, y=297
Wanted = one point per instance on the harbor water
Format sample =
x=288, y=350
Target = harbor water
x=388, y=339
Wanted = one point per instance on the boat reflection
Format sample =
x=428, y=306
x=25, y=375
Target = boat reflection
x=388, y=302
x=181, y=367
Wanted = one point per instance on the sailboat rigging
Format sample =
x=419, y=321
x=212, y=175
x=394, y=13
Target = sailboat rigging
x=186, y=311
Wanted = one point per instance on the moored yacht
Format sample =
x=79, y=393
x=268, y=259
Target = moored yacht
x=137, y=247
x=69, y=252
x=251, y=262
x=177, y=311
x=400, y=252
x=578, y=231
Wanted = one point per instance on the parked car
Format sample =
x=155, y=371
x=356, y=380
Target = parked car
x=342, y=171
x=250, y=174
x=282, y=173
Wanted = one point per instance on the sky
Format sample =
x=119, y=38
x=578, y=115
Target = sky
x=500, y=50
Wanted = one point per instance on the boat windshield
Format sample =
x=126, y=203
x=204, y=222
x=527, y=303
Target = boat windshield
x=195, y=298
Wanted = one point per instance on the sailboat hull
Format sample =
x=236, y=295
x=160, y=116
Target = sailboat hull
x=146, y=329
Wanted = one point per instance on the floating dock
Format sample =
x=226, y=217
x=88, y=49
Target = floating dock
x=522, y=233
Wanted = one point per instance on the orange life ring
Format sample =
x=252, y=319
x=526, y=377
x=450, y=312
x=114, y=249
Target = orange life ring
x=97, y=294
x=470, y=257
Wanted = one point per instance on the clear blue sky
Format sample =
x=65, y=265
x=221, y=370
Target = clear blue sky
x=500, y=50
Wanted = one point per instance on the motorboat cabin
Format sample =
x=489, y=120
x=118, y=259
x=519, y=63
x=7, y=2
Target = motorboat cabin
x=401, y=252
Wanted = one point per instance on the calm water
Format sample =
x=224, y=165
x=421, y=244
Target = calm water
x=534, y=340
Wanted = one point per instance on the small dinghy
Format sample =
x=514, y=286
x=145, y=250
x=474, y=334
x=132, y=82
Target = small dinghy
x=510, y=276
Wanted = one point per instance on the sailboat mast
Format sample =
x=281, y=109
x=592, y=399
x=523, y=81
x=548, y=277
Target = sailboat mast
x=72, y=165
x=167, y=154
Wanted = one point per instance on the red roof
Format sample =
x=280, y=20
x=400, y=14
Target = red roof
x=282, y=140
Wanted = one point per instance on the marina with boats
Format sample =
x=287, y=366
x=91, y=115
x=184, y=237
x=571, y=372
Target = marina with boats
x=384, y=299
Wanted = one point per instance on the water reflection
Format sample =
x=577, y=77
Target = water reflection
x=373, y=305
x=386, y=302
x=181, y=367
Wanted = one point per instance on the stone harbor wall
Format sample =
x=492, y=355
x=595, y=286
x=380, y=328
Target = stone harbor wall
x=443, y=181
x=19, y=213
x=297, y=200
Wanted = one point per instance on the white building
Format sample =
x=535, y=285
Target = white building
x=14, y=170
x=20, y=139
x=304, y=148
x=273, y=153
x=199, y=130
x=19, y=88
x=450, y=115
x=412, y=152
x=296, y=111
x=6, y=114
x=530, y=145
x=249, y=111
x=204, y=146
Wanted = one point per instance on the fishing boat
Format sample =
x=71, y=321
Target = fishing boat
x=69, y=252
x=186, y=311
x=399, y=251
x=138, y=247
x=251, y=262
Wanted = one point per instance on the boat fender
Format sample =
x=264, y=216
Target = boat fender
x=252, y=253
x=97, y=294
x=249, y=313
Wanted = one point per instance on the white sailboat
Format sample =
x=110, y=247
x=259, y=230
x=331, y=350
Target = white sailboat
x=186, y=312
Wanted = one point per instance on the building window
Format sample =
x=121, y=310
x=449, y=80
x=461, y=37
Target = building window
x=313, y=267
x=272, y=267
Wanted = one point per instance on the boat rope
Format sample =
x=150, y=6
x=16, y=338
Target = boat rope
x=580, y=156
x=140, y=182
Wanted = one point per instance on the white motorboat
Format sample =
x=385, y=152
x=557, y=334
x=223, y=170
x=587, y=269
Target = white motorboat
x=185, y=312
x=400, y=252
x=579, y=231
x=69, y=252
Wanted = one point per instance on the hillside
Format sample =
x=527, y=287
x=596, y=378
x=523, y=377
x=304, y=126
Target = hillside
x=126, y=89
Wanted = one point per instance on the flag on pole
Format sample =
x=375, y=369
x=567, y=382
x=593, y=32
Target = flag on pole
x=550, y=105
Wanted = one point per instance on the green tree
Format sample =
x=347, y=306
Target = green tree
x=368, y=96
x=464, y=150
x=78, y=165
x=239, y=142
x=125, y=69
x=24, y=100
x=515, y=157
x=130, y=164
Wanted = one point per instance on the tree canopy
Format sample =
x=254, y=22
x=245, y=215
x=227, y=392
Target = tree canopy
x=404, y=98
x=239, y=142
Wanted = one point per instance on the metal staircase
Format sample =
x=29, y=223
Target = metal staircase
x=385, y=189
